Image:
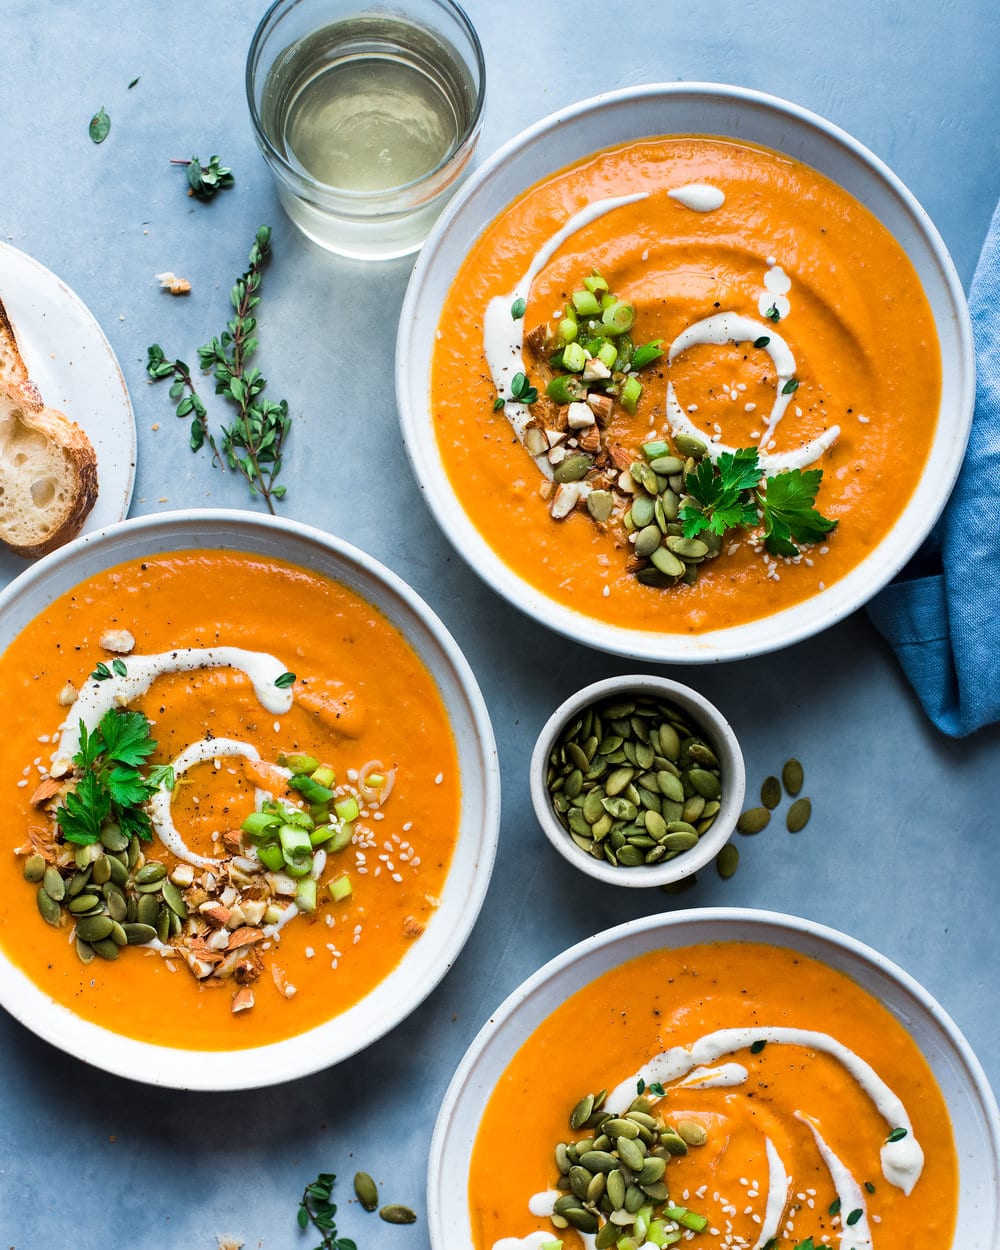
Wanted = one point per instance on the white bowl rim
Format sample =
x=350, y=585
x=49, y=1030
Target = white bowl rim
x=710, y=918
x=319, y=1047
x=780, y=629
x=716, y=727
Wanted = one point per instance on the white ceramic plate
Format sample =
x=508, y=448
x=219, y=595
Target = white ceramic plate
x=971, y=1104
x=72, y=363
x=686, y=108
x=426, y=962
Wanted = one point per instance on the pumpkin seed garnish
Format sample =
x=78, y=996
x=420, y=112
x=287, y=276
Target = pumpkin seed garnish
x=753, y=820
x=792, y=775
x=396, y=1213
x=366, y=1190
x=798, y=815
x=770, y=792
x=726, y=863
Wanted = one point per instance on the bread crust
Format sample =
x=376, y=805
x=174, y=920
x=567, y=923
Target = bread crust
x=73, y=459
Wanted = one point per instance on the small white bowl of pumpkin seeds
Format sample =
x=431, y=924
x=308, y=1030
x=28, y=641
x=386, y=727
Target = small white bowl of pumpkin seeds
x=637, y=780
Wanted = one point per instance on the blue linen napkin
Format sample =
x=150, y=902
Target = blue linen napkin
x=945, y=626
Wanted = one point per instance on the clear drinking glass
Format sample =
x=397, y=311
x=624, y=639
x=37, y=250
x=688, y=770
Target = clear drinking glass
x=367, y=115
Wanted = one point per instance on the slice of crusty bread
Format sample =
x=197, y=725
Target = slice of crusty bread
x=13, y=370
x=48, y=475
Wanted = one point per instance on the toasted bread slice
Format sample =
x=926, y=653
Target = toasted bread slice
x=48, y=475
x=13, y=370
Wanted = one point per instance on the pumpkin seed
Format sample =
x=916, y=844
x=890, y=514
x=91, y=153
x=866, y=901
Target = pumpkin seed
x=600, y=504
x=113, y=839
x=139, y=935
x=642, y=512
x=581, y=1112
x=706, y=783
x=366, y=1190
x=690, y=446
x=151, y=871
x=691, y=1132
x=798, y=815
x=34, y=868
x=117, y=907
x=792, y=776
x=395, y=1213
x=174, y=900
x=106, y=948
x=647, y=540
x=753, y=820
x=667, y=562
x=55, y=886
x=581, y=1219
x=579, y=1181
x=94, y=929
x=727, y=861
x=84, y=951
x=147, y=909
x=50, y=910
x=83, y=903
x=573, y=468
x=631, y=1152
x=770, y=792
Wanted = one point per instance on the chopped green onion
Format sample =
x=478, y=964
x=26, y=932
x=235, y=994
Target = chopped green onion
x=619, y=317
x=320, y=836
x=340, y=888
x=258, y=823
x=607, y=353
x=586, y=303
x=294, y=842
x=568, y=329
x=341, y=838
x=271, y=857
x=653, y=451
x=566, y=389
x=310, y=790
x=647, y=353
x=305, y=895
x=324, y=776
x=687, y=1219
x=299, y=763
x=631, y=390
x=595, y=283
x=574, y=357
x=347, y=808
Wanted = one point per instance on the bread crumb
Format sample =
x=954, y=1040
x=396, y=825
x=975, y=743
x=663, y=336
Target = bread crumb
x=176, y=286
x=228, y=1243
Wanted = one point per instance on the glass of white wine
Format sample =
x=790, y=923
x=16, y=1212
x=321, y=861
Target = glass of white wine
x=367, y=115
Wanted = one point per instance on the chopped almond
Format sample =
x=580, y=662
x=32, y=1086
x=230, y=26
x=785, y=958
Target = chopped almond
x=170, y=282
x=47, y=789
x=285, y=986
x=232, y=840
x=214, y=913
x=412, y=927
x=67, y=696
x=245, y=937
x=120, y=641
x=243, y=999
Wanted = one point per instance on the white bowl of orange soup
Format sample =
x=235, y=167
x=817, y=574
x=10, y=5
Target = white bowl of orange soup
x=821, y=1097
x=252, y=800
x=805, y=310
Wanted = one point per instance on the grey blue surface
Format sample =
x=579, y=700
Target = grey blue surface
x=902, y=851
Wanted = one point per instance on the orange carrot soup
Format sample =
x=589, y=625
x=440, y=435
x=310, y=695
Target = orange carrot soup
x=732, y=1096
x=685, y=384
x=232, y=798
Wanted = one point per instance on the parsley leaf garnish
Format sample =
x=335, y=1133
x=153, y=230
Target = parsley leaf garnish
x=720, y=493
x=788, y=511
x=110, y=784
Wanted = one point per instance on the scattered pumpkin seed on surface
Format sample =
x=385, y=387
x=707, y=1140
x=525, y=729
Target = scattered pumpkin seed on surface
x=753, y=820
x=792, y=776
x=727, y=861
x=770, y=792
x=798, y=815
x=366, y=1190
x=396, y=1213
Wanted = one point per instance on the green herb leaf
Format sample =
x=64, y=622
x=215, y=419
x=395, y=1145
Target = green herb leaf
x=517, y=309
x=522, y=390
x=119, y=667
x=834, y=1207
x=132, y=83
x=317, y=1209
x=773, y=313
x=870, y=1188
x=719, y=492
x=284, y=681
x=788, y=512
x=762, y=341
x=790, y=387
x=126, y=737
x=100, y=124
x=853, y=1217
x=758, y=1046
x=640, y=1086
x=205, y=180
x=84, y=810
x=656, y=1088
x=498, y=403
x=897, y=1134
x=101, y=672
x=127, y=787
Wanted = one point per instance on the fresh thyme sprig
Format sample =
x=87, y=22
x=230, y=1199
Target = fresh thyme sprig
x=252, y=444
x=110, y=785
x=205, y=180
x=317, y=1209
